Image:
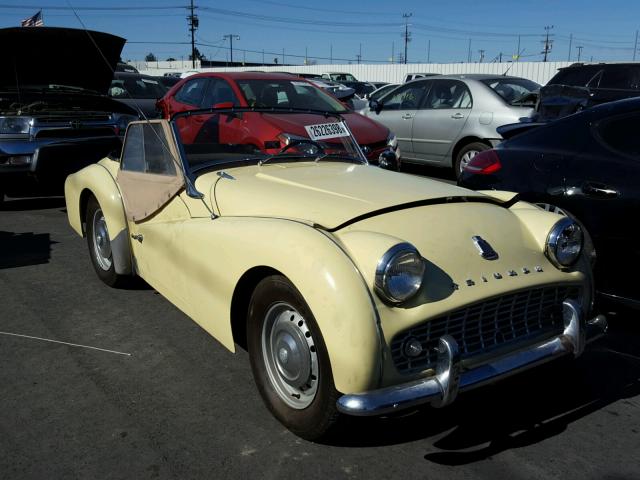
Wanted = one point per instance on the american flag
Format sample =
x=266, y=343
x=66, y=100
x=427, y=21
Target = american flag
x=33, y=21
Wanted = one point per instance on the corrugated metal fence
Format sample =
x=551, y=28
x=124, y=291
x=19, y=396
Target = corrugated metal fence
x=539, y=72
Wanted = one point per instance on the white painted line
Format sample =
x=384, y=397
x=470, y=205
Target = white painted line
x=65, y=343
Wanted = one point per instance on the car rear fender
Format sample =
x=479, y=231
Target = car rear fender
x=97, y=180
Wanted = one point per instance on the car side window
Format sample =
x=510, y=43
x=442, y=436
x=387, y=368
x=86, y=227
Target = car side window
x=218, y=91
x=620, y=77
x=146, y=150
x=620, y=134
x=192, y=92
x=406, y=97
x=448, y=94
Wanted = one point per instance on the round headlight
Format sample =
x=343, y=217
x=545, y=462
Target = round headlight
x=564, y=244
x=399, y=273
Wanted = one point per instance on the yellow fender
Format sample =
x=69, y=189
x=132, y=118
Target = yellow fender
x=98, y=180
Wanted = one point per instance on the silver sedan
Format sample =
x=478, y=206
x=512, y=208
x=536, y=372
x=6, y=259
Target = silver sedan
x=446, y=120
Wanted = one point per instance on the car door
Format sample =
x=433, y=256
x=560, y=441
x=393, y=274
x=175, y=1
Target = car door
x=150, y=178
x=399, y=107
x=440, y=119
x=603, y=190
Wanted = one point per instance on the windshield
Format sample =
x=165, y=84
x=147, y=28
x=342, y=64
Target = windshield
x=213, y=138
x=512, y=90
x=294, y=93
x=136, y=87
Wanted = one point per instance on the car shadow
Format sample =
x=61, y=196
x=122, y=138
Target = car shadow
x=23, y=204
x=517, y=412
x=24, y=249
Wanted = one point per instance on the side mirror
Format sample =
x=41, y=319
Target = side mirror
x=389, y=161
x=375, y=105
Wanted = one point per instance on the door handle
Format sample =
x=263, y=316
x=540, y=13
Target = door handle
x=138, y=237
x=407, y=116
x=599, y=190
x=457, y=115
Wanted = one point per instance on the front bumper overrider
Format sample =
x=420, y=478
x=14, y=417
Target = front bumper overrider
x=451, y=376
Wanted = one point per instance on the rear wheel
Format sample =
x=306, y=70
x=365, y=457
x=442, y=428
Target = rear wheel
x=465, y=155
x=99, y=244
x=289, y=359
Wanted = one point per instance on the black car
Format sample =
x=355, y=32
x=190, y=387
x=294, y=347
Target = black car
x=588, y=166
x=55, y=116
x=138, y=91
x=581, y=86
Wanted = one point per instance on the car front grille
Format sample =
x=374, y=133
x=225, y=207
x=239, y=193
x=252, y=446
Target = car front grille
x=80, y=117
x=491, y=324
x=105, y=131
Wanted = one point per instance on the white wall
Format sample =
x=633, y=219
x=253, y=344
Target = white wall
x=539, y=72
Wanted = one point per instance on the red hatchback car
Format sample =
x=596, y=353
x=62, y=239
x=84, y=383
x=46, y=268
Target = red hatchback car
x=269, y=132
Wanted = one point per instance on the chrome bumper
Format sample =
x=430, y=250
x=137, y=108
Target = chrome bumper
x=442, y=388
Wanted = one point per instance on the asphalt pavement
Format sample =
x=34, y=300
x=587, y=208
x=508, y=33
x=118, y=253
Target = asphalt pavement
x=144, y=392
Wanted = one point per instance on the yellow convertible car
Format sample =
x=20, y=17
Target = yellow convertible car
x=356, y=290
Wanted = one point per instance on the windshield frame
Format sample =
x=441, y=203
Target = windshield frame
x=191, y=174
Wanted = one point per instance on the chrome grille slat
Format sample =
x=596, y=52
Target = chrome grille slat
x=494, y=323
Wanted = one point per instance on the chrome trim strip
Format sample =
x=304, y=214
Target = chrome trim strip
x=441, y=388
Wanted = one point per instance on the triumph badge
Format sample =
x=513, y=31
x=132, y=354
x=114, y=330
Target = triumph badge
x=487, y=252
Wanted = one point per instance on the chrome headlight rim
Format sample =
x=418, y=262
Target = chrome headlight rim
x=382, y=271
x=551, y=247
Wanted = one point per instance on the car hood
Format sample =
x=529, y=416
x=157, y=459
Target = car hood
x=364, y=129
x=41, y=56
x=327, y=193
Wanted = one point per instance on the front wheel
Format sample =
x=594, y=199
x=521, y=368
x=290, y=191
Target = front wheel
x=99, y=244
x=465, y=155
x=289, y=359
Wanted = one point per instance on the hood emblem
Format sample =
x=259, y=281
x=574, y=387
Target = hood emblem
x=486, y=251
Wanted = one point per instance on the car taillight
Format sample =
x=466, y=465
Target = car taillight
x=484, y=163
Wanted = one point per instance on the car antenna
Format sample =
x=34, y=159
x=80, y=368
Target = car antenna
x=509, y=68
x=15, y=71
x=144, y=116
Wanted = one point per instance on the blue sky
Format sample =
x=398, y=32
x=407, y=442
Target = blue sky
x=341, y=30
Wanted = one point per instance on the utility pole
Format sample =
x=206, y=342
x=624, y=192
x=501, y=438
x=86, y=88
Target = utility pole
x=406, y=35
x=481, y=52
x=231, y=36
x=500, y=55
x=359, y=56
x=331, y=53
x=429, y=51
x=393, y=51
x=547, y=43
x=193, y=22
x=570, y=41
x=635, y=46
x=469, y=53
x=306, y=58
x=579, y=47
x=518, y=50
x=283, y=55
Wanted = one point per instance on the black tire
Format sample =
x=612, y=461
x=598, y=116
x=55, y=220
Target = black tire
x=315, y=419
x=476, y=147
x=105, y=271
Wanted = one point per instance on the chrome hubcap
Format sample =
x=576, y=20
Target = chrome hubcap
x=290, y=355
x=101, y=241
x=466, y=158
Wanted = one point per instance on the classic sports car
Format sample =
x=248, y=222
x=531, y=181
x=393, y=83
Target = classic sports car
x=356, y=290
